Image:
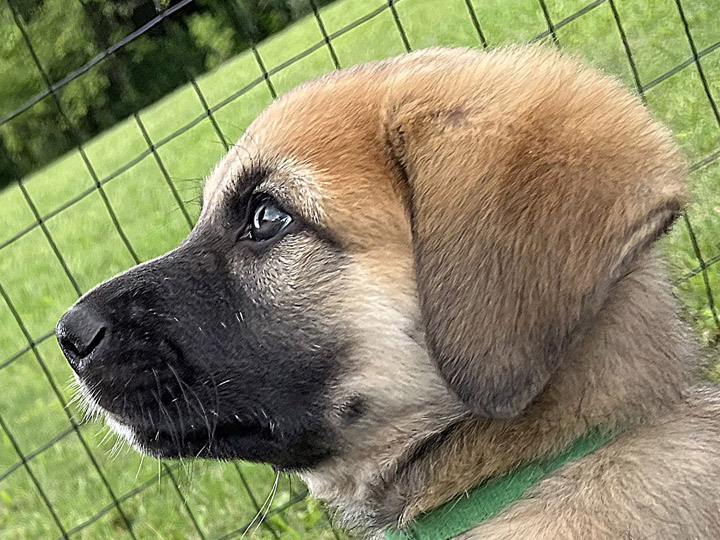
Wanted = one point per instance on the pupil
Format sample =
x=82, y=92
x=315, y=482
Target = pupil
x=268, y=220
x=266, y=215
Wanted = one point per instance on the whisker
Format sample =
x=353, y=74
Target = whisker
x=108, y=433
x=142, y=460
x=264, y=509
x=203, y=412
x=171, y=424
x=216, y=411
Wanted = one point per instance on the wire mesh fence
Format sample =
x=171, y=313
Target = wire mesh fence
x=126, y=196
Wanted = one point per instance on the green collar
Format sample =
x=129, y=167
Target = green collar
x=487, y=500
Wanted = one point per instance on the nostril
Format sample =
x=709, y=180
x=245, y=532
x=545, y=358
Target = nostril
x=79, y=348
x=94, y=342
x=68, y=346
x=79, y=332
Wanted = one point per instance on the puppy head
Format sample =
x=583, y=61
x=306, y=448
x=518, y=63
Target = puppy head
x=387, y=249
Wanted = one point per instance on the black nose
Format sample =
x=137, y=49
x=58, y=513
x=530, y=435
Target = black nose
x=79, y=332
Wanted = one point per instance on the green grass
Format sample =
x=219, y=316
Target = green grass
x=40, y=291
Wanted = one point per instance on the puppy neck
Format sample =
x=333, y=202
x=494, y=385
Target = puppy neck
x=629, y=368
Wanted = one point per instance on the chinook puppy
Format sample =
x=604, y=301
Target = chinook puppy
x=429, y=281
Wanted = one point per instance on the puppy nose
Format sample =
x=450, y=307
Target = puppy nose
x=79, y=332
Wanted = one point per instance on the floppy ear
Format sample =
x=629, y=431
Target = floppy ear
x=531, y=191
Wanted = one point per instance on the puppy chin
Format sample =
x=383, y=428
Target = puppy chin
x=93, y=410
x=130, y=435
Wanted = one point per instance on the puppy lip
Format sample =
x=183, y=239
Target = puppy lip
x=228, y=430
x=171, y=440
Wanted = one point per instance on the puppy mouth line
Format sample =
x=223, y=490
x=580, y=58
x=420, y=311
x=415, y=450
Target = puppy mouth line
x=182, y=435
x=205, y=433
x=145, y=436
x=230, y=426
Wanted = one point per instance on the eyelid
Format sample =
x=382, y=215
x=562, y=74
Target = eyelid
x=283, y=201
x=253, y=199
x=298, y=216
x=260, y=195
x=242, y=200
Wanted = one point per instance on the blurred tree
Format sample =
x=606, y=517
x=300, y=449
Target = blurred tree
x=40, y=133
x=67, y=34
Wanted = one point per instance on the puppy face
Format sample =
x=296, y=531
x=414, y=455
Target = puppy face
x=222, y=348
x=385, y=251
x=270, y=333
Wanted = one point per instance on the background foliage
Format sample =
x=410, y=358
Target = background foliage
x=68, y=33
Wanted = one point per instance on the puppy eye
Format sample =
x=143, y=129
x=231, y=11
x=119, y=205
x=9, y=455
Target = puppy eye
x=267, y=218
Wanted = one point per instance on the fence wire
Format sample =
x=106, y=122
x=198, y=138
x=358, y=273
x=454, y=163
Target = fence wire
x=198, y=518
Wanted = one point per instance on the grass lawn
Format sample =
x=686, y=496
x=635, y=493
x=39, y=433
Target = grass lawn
x=214, y=494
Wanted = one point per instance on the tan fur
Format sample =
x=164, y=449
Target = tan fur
x=542, y=169
x=496, y=210
x=660, y=481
